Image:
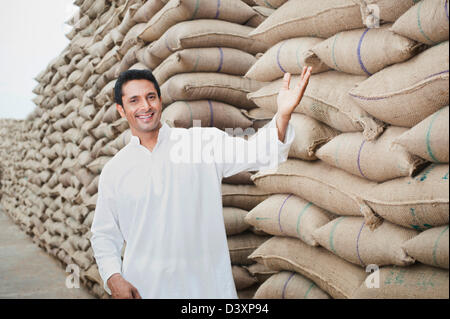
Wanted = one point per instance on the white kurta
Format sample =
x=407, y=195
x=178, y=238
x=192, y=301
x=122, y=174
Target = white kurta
x=170, y=214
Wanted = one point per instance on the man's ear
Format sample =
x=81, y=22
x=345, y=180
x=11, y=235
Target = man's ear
x=121, y=110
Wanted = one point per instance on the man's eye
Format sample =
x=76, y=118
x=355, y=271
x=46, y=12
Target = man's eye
x=151, y=97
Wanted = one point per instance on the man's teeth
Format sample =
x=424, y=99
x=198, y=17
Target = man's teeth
x=146, y=116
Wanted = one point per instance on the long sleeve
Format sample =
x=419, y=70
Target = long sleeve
x=107, y=240
x=261, y=151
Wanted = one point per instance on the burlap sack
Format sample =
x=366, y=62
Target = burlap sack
x=210, y=113
x=202, y=34
x=131, y=39
x=259, y=116
x=310, y=134
x=414, y=282
x=289, y=285
x=326, y=99
x=287, y=56
x=309, y=18
x=230, y=89
x=350, y=238
x=245, y=197
x=234, y=220
x=242, y=278
x=406, y=93
x=375, y=160
x=242, y=245
x=261, y=14
x=288, y=215
x=242, y=178
x=220, y=60
x=430, y=247
x=380, y=11
x=148, y=10
x=420, y=203
x=365, y=51
x=273, y=4
x=176, y=11
x=260, y=272
x=337, y=277
x=430, y=138
x=426, y=22
x=327, y=187
x=97, y=165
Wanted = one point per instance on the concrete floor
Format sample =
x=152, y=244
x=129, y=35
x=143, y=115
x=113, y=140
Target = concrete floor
x=27, y=271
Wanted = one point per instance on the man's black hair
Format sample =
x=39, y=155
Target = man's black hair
x=130, y=75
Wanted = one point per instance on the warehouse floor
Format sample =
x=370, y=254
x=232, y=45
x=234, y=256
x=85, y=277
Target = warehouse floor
x=26, y=271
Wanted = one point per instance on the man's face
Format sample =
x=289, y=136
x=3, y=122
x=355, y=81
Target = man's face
x=141, y=106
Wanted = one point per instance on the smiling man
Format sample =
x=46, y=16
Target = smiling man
x=169, y=213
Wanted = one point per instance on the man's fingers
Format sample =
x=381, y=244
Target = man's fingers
x=286, y=81
x=305, y=78
x=303, y=72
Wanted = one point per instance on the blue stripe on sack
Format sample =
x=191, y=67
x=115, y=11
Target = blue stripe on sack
x=218, y=10
x=357, y=244
x=211, y=121
x=278, y=57
x=363, y=67
x=221, y=60
x=285, y=285
x=279, y=213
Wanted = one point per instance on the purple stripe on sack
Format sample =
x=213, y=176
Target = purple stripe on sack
x=357, y=244
x=211, y=121
x=359, y=159
x=285, y=285
x=278, y=57
x=221, y=60
x=386, y=97
x=446, y=9
x=363, y=67
x=279, y=212
x=218, y=9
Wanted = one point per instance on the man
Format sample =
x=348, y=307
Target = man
x=167, y=206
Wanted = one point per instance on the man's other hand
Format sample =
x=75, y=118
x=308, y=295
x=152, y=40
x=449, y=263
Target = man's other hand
x=122, y=289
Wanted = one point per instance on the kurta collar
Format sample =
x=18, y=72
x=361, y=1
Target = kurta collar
x=163, y=133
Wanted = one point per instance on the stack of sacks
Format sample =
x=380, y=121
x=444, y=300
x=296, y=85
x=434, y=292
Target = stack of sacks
x=384, y=92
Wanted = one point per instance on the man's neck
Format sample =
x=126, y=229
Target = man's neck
x=148, y=139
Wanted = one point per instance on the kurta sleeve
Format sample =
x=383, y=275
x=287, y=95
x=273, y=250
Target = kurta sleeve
x=106, y=240
x=261, y=151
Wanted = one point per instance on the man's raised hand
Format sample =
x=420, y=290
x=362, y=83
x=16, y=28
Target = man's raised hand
x=289, y=98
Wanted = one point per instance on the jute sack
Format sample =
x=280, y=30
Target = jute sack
x=325, y=186
x=426, y=22
x=148, y=10
x=287, y=56
x=273, y=4
x=242, y=178
x=404, y=94
x=210, y=113
x=377, y=160
x=310, y=134
x=242, y=278
x=414, y=282
x=234, y=220
x=309, y=18
x=261, y=14
x=430, y=247
x=202, y=34
x=122, y=140
x=365, y=51
x=337, y=277
x=260, y=272
x=242, y=245
x=230, y=89
x=420, y=203
x=245, y=197
x=288, y=215
x=326, y=99
x=430, y=138
x=97, y=165
x=259, y=116
x=289, y=285
x=247, y=293
x=176, y=11
x=220, y=60
x=380, y=11
x=349, y=238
